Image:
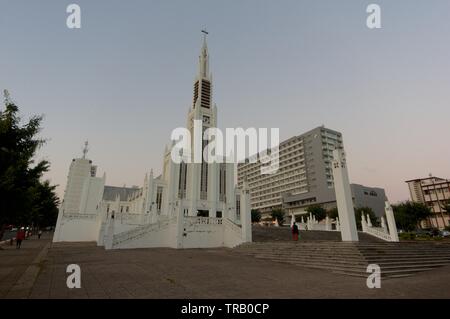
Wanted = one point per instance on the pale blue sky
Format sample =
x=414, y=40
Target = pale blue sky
x=124, y=81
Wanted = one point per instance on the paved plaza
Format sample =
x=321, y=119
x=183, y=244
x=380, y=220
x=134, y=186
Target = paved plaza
x=38, y=270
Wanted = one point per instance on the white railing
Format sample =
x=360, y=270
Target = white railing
x=141, y=231
x=237, y=229
x=79, y=216
x=127, y=216
x=202, y=221
x=378, y=232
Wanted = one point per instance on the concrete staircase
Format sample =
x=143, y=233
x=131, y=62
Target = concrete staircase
x=263, y=234
x=395, y=259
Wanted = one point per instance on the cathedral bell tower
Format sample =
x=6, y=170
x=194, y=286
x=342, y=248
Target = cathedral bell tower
x=195, y=179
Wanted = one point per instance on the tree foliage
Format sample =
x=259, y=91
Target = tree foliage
x=25, y=199
x=408, y=215
x=446, y=207
x=256, y=216
x=318, y=211
x=279, y=215
x=333, y=213
x=367, y=211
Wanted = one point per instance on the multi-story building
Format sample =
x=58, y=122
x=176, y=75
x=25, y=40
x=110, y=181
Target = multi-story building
x=304, y=168
x=435, y=193
x=363, y=196
x=304, y=177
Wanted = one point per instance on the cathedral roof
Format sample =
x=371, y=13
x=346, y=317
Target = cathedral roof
x=110, y=192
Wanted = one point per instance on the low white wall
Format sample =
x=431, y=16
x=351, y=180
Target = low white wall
x=163, y=237
x=77, y=230
x=203, y=236
x=232, y=236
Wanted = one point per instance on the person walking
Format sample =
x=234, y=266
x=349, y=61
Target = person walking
x=39, y=234
x=295, y=232
x=20, y=236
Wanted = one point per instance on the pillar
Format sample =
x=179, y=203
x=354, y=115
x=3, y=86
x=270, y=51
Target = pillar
x=230, y=191
x=180, y=228
x=109, y=234
x=391, y=222
x=344, y=197
x=246, y=218
x=363, y=223
x=369, y=222
x=327, y=223
x=383, y=225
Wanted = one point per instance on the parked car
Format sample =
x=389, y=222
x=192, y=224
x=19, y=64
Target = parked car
x=445, y=233
x=431, y=232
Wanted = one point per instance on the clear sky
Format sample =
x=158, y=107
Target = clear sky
x=124, y=80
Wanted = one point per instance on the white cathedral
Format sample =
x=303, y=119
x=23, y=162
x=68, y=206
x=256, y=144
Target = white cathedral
x=190, y=205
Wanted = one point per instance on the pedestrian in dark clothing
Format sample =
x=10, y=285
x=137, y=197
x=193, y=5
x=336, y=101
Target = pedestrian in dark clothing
x=19, y=237
x=295, y=232
x=39, y=234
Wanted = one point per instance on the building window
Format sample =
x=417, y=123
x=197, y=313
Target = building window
x=159, y=193
x=238, y=208
x=182, y=181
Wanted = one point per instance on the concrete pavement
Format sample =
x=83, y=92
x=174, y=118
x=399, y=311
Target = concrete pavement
x=194, y=273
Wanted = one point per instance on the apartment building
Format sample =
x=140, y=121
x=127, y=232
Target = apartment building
x=304, y=168
x=435, y=193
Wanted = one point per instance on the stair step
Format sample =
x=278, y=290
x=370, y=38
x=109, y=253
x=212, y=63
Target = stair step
x=356, y=264
x=395, y=259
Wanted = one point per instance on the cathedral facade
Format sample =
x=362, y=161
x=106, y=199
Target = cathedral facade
x=190, y=205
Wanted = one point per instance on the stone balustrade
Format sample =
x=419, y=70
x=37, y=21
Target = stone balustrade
x=80, y=216
x=141, y=231
x=237, y=229
x=203, y=220
x=379, y=233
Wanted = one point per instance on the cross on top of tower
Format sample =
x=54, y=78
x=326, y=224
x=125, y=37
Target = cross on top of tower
x=85, y=149
x=205, y=34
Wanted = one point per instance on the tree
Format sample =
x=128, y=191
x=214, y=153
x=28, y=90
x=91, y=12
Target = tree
x=318, y=211
x=333, y=213
x=366, y=210
x=278, y=214
x=20, y=186
x=408, y=215
x=256, y=216
x=446, y=207
x=45, y=210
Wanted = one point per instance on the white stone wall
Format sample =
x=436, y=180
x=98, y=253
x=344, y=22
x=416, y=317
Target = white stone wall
x=77, y=230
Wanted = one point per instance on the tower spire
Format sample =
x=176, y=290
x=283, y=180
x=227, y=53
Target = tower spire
x=204, y=58
x=85, y=149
